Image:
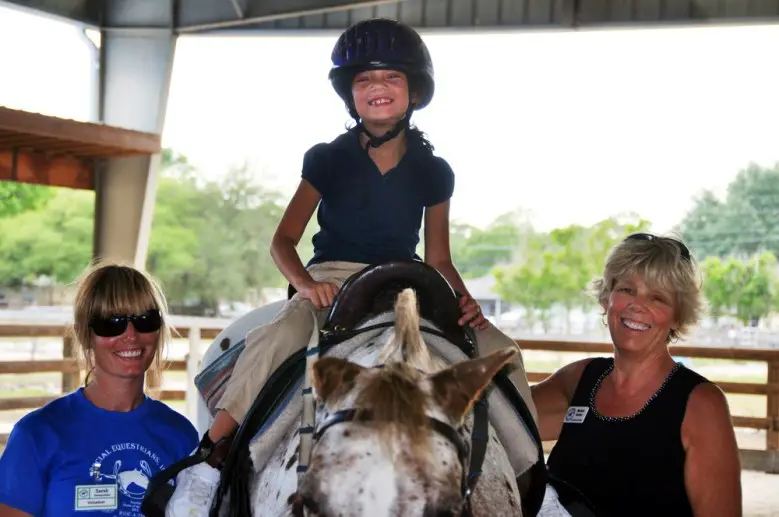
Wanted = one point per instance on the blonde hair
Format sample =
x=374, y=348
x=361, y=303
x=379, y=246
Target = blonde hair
x=662, y=264
x=111, y=288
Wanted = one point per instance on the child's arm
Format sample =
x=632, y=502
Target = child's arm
x=438, y=255
x=284, y=252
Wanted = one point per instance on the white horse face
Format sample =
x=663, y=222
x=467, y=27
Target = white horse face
x=397, y=463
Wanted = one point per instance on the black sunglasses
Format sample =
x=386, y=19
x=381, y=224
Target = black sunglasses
x=112, y=326
x=683, y=250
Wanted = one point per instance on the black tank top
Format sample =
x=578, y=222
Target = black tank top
x=632, y=465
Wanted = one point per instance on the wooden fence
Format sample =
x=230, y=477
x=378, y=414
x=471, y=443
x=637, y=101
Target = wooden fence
x=766, y=459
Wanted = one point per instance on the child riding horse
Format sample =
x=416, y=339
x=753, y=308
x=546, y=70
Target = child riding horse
x=372, y=185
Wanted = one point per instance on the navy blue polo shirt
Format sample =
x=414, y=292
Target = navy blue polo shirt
x=365, y=216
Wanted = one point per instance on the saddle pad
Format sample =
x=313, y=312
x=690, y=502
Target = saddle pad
x=211, y=382
x=520, y=446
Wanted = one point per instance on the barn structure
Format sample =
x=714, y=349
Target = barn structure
x=118, y=155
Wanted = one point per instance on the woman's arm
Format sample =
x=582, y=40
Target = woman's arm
x=553, y=396
x=7, y=511
x=712, y=468
x=438, y=254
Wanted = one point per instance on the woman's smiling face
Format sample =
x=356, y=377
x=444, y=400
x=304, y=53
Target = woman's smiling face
x=640, y=317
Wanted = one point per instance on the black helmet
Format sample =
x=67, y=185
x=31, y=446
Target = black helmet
x=382, y=44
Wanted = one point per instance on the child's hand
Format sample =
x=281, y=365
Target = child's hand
x=472, y=314
x=321, y=294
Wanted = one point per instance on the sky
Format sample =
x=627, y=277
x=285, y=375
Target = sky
x=567, y=126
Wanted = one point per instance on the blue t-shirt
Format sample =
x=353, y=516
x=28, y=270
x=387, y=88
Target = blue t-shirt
x=71, y=458
x=365, y=216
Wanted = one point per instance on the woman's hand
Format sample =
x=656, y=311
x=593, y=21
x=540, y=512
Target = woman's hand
x=321, y=294
x=472, y=314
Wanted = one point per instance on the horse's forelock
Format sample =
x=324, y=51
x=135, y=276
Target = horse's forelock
x=398, y=406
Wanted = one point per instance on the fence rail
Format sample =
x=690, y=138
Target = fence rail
x=767, y=459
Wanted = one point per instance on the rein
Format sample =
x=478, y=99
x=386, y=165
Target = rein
x=308, y=432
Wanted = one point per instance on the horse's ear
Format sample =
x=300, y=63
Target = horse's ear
x=333, y=377
x=456, y=388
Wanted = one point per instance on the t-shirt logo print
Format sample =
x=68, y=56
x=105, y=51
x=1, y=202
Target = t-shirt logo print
x=128, y=466
x=132, y=483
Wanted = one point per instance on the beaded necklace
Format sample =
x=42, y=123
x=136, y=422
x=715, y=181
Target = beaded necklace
x=634, y=415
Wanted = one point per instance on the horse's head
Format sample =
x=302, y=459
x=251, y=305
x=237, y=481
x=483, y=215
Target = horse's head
x=395, y=449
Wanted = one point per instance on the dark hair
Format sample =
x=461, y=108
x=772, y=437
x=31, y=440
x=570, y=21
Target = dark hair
x=417, y=136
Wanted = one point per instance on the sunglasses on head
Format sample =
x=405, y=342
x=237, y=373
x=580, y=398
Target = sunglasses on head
x=685, y=252
x=112, y=326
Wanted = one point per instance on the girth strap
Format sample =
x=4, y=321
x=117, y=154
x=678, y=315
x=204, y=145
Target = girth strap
x=159, y=491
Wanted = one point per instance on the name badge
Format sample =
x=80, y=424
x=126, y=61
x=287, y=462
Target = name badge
x=96, y=497
x=576, y=414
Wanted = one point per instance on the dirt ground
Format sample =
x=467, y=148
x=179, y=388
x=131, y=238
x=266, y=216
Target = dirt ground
x=761, y=494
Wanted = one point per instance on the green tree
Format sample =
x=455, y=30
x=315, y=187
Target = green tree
x=742, y=288
x=759, y=294
x=720, y=285
x=54, y=240
x=554, y=269
x=17, y=197
x=741, y=225
x=210, y=239
x=477, y=251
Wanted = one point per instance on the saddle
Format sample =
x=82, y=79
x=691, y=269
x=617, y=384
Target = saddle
x=373, y=291
x=365, y=294
x=369, y=292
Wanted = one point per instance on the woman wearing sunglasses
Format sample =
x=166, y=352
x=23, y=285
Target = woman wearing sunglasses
x=96, y=449
x=639, y=434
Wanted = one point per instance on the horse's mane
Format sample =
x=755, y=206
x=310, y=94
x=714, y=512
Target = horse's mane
x=407, y=344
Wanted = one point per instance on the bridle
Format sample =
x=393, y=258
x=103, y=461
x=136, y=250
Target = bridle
x=446, y=430
x=470, y=470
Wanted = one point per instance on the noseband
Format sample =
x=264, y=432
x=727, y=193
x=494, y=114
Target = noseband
x=442, y=428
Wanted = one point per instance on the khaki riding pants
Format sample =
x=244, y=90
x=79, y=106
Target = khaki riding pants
x=269, y=345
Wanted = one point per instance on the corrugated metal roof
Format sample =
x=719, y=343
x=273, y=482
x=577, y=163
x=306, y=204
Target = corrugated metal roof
x=195, y=16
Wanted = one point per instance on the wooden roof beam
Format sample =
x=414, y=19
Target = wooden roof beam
x=42, y=169
x=22, y=129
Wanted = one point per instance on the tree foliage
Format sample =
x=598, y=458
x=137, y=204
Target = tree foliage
x=53, y=241
x=746, y=289
x=16, y=197
x=210, y=243
x=554, y=268
x=740, y=225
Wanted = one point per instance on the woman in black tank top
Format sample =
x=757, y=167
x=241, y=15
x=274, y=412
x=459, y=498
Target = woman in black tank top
x=639, y=434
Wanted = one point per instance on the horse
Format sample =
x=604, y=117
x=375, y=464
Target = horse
x=389, y=410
